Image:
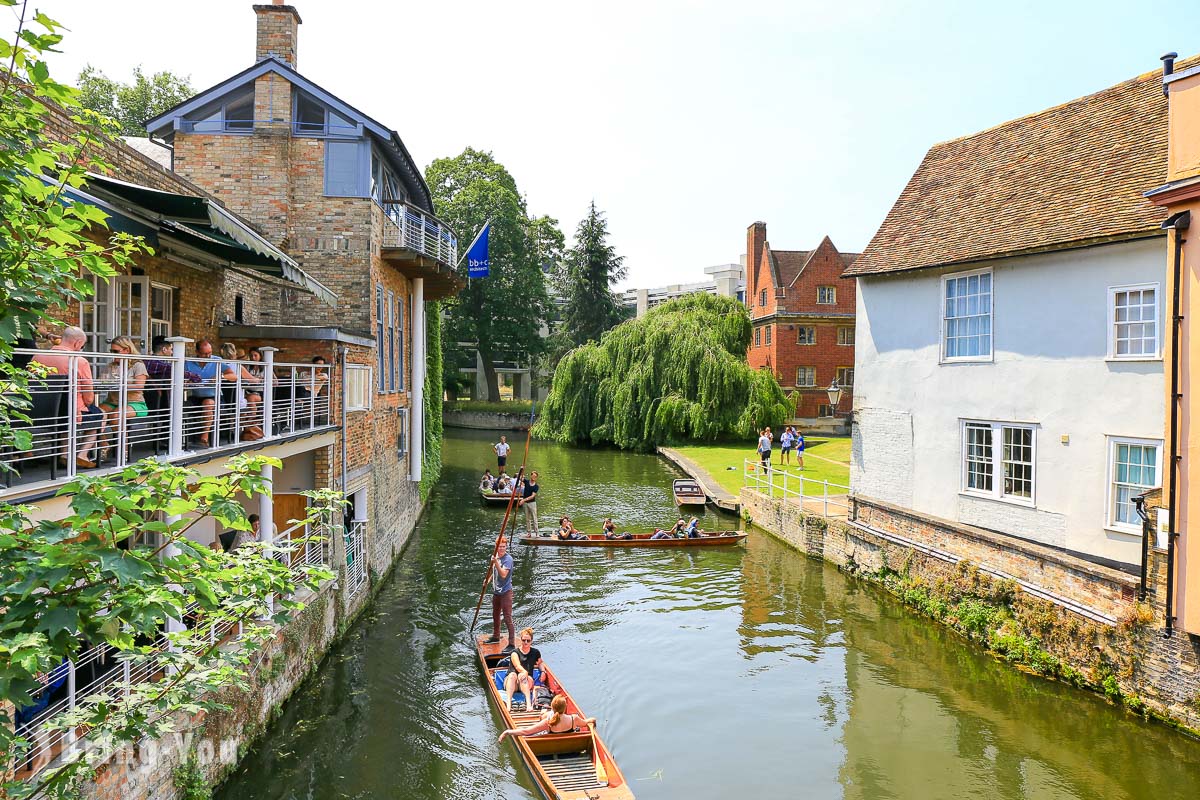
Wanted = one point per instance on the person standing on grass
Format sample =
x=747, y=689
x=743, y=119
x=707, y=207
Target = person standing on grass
x=764, y=448
x=501, y=447
x=799, y=445
x=785, y=445
x=502, y=594
x=528, y=502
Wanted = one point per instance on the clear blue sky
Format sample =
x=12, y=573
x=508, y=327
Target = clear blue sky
x=685, y=121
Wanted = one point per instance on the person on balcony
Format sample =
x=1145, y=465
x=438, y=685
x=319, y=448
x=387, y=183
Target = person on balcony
x=204, y=373
x=251, y=400
x=135, y=375
x=89, y=419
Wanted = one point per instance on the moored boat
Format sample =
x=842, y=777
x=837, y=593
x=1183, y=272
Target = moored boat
x=715, y=539
x=565, y=766
x=688, y=492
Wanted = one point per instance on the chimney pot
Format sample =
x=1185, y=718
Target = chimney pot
x=1168, y=62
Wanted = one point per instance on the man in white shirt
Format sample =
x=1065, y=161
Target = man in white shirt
x=502, y=447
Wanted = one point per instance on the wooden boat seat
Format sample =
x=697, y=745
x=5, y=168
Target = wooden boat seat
x=570, y=771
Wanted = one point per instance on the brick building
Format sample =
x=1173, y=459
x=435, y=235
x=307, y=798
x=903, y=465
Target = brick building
x=293, y=224
x=803, y=314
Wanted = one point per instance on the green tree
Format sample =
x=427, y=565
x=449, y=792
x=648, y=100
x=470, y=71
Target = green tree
x=502, y=314
x=120, y=567
x=131, y=104
x=592, y=268
x=679, y=373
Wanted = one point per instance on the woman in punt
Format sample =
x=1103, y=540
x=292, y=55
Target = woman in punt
x=554, y=720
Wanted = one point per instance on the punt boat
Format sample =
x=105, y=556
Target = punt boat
x=715, y=539
x=494, y=498
x=565, y=766
x=688, y=492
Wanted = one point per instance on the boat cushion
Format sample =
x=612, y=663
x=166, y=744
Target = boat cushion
x=501, y=674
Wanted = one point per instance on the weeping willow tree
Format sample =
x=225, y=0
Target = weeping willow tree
x=677, y=374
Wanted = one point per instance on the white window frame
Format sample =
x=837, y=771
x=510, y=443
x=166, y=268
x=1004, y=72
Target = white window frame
x=806, y=385
x=997, y=462
x=845, y=332
x=1112, y=322
x=767, y=338
x=944, y=359
x=800, y=330
x=1110, y=494
x=355, y=376
x=832, y=301
x=840, y=372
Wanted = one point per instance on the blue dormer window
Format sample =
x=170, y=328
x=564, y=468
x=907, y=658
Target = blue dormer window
x=233, y=113
x=310, y=118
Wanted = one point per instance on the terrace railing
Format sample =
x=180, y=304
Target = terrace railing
x=814, y=496
x=102, y=672
x=356, y=559
x=105, y=410
x=411, y=228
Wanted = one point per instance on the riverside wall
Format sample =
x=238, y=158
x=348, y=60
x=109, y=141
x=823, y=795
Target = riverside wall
x=1046, y=611
x=206, y=747
x=486, y=420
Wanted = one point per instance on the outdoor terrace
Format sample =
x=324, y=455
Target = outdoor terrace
x=421, y=246
x=191, y=409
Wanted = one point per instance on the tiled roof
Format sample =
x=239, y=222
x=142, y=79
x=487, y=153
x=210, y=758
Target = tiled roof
x=788, y=264
x=1066, y=176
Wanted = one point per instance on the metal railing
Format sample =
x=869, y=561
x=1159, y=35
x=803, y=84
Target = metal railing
x=823, y=497
x=106, y=410
x=356, y=561
x=102, y=672
x=409, y=227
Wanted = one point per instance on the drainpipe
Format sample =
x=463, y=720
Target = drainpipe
x=1179, y=223
x=342, y=358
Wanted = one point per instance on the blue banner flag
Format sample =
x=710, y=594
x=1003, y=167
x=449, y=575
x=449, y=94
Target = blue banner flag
x=478, y=263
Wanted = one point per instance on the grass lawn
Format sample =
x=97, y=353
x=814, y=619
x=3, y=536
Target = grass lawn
x=826, y=458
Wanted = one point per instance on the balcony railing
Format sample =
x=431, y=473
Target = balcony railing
x=102, y=672
x=99, y=411
x=412, y=229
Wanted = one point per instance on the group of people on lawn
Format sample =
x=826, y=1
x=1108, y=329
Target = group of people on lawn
x=791, y=439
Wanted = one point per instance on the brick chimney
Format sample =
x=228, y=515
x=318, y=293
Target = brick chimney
x=756, y=237
x=276, y=32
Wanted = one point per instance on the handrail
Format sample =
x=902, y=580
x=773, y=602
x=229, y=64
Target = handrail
x=153, y=406
x=412, y=228
x=771, y=482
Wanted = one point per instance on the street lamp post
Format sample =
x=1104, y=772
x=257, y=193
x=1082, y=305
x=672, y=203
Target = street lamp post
x=834, y=392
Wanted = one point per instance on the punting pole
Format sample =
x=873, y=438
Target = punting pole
x=503, y=526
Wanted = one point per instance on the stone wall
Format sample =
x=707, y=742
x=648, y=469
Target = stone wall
x=486, y=420
x=1047, y=611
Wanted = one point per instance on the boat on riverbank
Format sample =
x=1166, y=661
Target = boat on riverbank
x=495, y=498
x=688, y=492
x=565, y=766
x=716, y=539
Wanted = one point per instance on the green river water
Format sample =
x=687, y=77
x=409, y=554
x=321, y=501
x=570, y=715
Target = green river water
x=748, y=672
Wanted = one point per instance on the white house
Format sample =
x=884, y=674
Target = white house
x=1009, y=371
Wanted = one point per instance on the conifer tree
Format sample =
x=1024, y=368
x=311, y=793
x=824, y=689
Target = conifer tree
x=592, y=267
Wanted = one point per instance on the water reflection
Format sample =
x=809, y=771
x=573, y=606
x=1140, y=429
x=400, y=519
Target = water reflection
x=745, y=671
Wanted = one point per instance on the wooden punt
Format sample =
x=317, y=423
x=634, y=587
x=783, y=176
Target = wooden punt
x=563, y=765
x=716, y=539
x=494, y=499
x=688, y=492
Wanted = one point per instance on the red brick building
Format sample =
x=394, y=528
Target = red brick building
x=803, y=314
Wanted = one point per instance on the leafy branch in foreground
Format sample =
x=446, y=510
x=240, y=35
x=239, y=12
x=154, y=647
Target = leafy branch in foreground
x=122, y=571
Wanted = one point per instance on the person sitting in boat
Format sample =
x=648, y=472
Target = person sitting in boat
x=676, y=531
x=503, y=485
x=525, y=659
x=691, y=530
x=487, y=481
x=609, y=529
x=567, y=531
x=554, y=720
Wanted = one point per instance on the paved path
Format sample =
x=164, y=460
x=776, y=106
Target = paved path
x=716, y=493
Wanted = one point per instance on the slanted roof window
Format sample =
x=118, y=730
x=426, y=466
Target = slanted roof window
x=310, y=118
x=233, y=113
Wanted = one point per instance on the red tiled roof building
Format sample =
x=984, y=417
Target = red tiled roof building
x=803, y=314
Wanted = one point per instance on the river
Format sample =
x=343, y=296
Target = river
x=750, y=671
